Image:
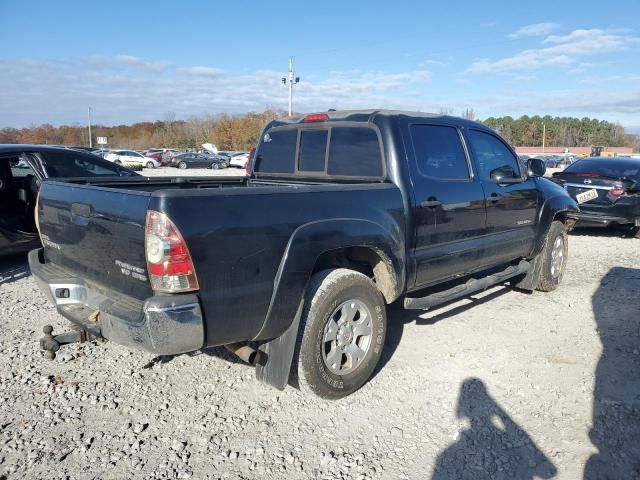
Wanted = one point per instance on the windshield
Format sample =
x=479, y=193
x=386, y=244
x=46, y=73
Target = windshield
x=607, y=168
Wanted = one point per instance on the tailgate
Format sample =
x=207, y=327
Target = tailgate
x=96, y=233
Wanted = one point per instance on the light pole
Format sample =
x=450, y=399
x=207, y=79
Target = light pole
x=290, y=81
x=90, y=140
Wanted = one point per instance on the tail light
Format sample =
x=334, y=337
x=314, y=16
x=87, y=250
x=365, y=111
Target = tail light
x=168, y=260
x=36, y=215
x=616, y=192
x=249, y=165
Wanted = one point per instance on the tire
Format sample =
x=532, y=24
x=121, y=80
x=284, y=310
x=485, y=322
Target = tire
x=635, y=232
x=355, y=304
x=150, y=165
x=553, y=258
x=215, y=166
x=182, y=165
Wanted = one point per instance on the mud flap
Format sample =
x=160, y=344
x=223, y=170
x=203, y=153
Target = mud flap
x=278, y=354
x=532, y=278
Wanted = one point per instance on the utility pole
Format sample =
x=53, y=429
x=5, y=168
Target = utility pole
x=90, y=140
x=290, y=81
x=544, y=134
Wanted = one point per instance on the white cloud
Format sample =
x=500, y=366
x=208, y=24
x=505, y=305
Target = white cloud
x=203, y=71
x=126, y=89
x=562, y=50
x=534, y=30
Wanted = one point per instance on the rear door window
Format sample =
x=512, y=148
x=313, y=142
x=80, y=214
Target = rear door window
x=439, y=152
x=277, y=152
x=354, y=152
x=313, y=149
x=75, y=164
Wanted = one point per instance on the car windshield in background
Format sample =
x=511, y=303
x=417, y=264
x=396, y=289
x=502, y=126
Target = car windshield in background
x=606, y=167
x=73, y=164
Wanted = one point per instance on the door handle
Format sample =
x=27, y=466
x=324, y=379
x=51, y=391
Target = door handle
x=430, y=203
x=494, y=197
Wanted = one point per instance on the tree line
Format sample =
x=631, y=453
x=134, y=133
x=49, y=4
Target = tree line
x=241, y=132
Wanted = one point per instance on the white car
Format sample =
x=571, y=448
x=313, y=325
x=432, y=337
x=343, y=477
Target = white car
x=239, y=160
x=129, y=156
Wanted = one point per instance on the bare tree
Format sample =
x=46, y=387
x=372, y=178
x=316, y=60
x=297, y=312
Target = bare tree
x=469, y=114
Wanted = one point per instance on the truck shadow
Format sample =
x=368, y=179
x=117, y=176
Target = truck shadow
x=13, y=268
x=607, y=232
x=398, y=317
x=493, y=445
x=615, y=430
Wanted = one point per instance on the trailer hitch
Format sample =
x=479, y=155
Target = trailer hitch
x=51, y=343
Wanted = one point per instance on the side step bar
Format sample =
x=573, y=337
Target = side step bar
x=471, y=286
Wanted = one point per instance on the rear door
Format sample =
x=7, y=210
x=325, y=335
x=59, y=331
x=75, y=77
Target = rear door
x=512, y=198
x=449, y=211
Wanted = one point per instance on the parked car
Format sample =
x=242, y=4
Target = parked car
x=197, y=160
x=239, y=160
x=101, y=152
x=130, y=156
x=292, y=268
x=607, y=190
x=22, y=169
x=156, y=155
x=168, y=155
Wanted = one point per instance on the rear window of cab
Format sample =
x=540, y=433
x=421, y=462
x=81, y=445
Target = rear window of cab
x=336, y=151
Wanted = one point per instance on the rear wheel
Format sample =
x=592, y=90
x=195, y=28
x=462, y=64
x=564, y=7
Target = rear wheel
x=635, y=232
x=182, y=165
x=341, y=335
x=553, y=257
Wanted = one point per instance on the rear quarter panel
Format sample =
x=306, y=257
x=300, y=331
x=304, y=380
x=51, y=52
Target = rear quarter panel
x=243, y=240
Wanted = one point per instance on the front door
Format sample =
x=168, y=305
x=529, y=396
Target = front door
x=449, y=209
x=512, y=198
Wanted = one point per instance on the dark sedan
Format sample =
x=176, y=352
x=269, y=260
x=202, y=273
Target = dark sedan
x=197, y=160
x=607, y=190
x=22, y=170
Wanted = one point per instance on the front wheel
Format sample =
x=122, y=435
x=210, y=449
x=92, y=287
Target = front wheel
x=149, y=165
x=553, y=257
x=182, y=165
x=215, y=166
x=341, y=336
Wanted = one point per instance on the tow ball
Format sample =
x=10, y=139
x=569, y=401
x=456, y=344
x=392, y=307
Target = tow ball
x=51, y=343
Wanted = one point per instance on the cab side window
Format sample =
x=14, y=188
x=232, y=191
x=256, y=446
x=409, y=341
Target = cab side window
x=494, y=159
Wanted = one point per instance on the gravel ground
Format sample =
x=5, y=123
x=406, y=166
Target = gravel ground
x=504, y=385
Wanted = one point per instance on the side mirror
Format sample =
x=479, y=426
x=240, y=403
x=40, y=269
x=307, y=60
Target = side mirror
x=504, y=174
x=536, y=167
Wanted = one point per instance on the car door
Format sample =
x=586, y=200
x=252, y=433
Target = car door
x=449, y=205
x=203, y=160
x=512, y=198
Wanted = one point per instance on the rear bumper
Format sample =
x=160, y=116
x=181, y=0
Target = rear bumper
x=162, y=324
x=586, y=219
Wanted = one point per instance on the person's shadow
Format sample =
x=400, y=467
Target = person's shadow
x=493, y=447
x=615, y=430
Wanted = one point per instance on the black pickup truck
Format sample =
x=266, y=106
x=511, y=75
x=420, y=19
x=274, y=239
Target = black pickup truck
x=291, y=267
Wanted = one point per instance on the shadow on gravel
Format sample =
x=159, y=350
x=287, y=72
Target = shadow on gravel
x=605, y=232
x=615, y=428
x=398, y=317
x=493, y=447
x=13, y=268
x=219, y=352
